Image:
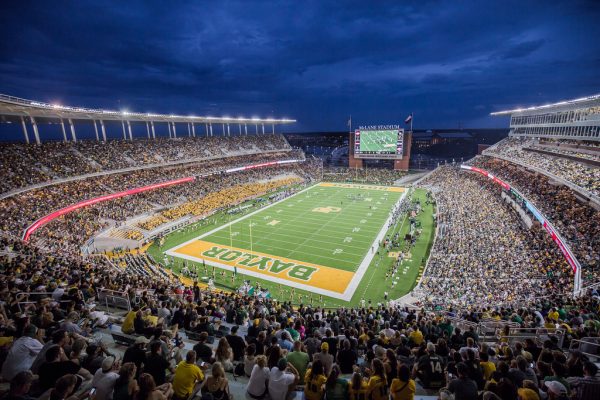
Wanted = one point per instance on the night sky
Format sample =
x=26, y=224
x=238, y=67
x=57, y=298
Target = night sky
x=450, y=62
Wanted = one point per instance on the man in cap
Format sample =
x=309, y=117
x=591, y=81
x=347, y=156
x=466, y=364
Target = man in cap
x=556, y=390
x=136, y=353
x=105, y=378
x=325, y=357
x=282, y=380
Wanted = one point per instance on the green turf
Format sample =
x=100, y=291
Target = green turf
x=337, y=239
x=305, y=237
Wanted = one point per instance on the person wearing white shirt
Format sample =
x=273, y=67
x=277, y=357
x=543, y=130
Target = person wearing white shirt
x=257, y=385
x=105, y=378
x=22, y=353
x=280, y=381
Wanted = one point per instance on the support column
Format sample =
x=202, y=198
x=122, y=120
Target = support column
x=189, y=130
x=124, y=134
x=64, y=132
x=25, y=130
x=96, y=131
x=129, y=129
x=206, y=129
x=228, y=131
x=73, y=136
x=256, y=128
x=103, y=129
x=174, y=130
x=147, y=130
x=223, y=126
x=273, y=130
x=240, y=126
x=263, y=128
x=211, y=131
x=193, y=130
x=246, y=129
x=153, y=132
x=169, y=126
x=36, y=134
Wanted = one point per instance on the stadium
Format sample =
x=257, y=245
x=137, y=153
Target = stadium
x=165, y=255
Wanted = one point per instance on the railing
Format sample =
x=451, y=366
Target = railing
x=116, y=299
x=589, y=346
x=46, y=294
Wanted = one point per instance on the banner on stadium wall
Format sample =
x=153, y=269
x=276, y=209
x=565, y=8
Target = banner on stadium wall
x=564, y=248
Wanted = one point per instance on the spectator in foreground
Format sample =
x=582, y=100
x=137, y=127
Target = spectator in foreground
x=126, y=387
x=216, y=384
x=105, y=378
x=187, y=376
x=282, y=380
x=314, y=381
x=149, y=390
x=20, y=387
x=462, y=387
x=23, y=352
x=336, y=388
x=299, y=360
x=257, y=385
x=403, y=387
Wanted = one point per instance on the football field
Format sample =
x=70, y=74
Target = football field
x=321, y=239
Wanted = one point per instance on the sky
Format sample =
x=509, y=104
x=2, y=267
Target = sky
x=450, y=63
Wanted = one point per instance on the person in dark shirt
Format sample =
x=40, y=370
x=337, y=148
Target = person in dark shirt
x=136, y=353
x=430, y=369
x=332, y=341
x=346, y=358
x=57, y=366
x=238, y=345
x=462, y=387
x=203, y=351
x=20, y=386
x=157, y=365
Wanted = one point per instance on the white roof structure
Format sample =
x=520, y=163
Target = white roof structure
x=565, y=105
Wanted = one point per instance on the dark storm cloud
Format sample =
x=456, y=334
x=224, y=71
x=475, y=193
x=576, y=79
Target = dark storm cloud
x=317, y=61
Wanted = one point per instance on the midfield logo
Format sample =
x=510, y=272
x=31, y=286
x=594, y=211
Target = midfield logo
x=327, y=210
x=263, y=263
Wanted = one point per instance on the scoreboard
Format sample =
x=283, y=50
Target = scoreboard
x=379, y=142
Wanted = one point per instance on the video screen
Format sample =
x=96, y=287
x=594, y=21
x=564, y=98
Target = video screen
x=386, y=142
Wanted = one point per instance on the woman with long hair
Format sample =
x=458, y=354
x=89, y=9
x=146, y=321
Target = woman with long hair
x=357, y=390
x=216, y=384
x=149, y=390
x=336, y=388
x=314, y=380
x=224, y=354
x=403, y=388
x=257, y=385
x=126, y=386
x=377, y=388
x=390, y=365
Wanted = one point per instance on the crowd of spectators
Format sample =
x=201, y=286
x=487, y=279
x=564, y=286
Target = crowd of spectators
x=583, y=175
x=379, y=176
x=576, y=221
x=27, y=164
x=349, y=353
x=483, y=254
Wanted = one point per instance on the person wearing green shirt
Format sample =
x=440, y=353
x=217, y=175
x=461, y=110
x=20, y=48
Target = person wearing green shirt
x=299, y=359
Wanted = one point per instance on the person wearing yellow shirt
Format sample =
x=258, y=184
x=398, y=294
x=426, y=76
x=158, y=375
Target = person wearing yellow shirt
x=127, y=326
x=187, y=375
x=314, y=381
x=487, y=366
x=357, y=389
x=416, y=336
x=377, y=388
x=553, y=314
x=403, y=388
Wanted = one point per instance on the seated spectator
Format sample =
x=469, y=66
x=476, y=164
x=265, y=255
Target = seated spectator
x=346, y=358
x=126, y=387
x=56, y=366
x=249, y=360
x=336, y=388
x=463, y=387
x=136, y=353
x=324, y=357
x=403, y=387
x=156, y=364
x=299, y=359
x=20, y=386
x=105, y=378
x=588, y=386
x=224, y=354
x=216, y=384
x=430, y=369
x=203, y=351
x=237, y=344
x=282, y=380
x=187, y=376
x=257, y=384
x=149, y=391
x=23, y=352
